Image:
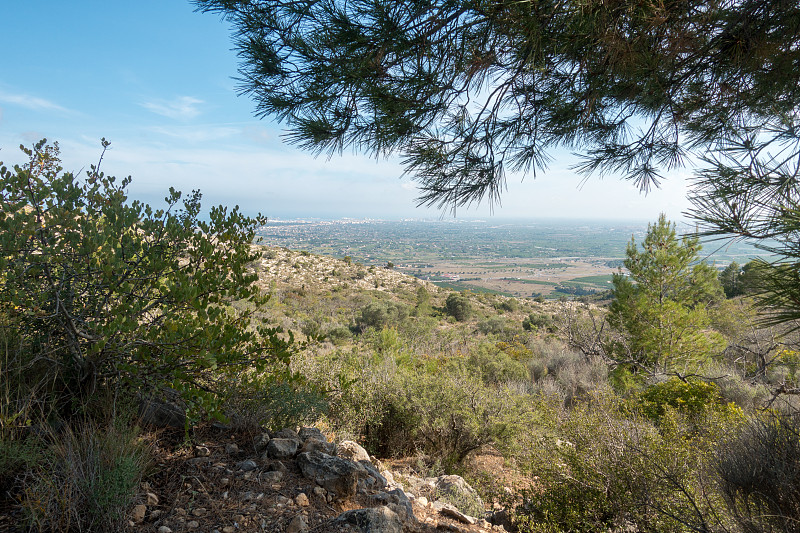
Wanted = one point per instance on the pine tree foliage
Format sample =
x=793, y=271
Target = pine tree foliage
x=661, y=306
x=752, y=191
x=467, y=89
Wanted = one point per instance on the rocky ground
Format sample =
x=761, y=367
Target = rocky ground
x=295, y=482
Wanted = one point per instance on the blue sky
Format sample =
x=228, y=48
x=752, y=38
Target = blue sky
x=156, y=79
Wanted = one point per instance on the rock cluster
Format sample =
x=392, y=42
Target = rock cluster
x=298, y=481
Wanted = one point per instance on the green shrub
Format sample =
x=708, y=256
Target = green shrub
x=494, y=325
x=423, y=302
x=507, y=304
x=458, y=306
x=311, y=328
x=603, y=468
x=693, y=397
x=338, y=334
x=571, y=374
x=381, y=313
x=111, y=292
x=397, y=404
x=386, y=341
x=539, y=322
x=449, y=414
x=495, y=366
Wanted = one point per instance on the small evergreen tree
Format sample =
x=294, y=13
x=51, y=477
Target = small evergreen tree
x=660, y=308
x=730, y=279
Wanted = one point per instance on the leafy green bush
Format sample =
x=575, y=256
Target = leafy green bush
x=539, y=322
x=448, y=415
x=423, y=302
x=113, y=292
x=386, y=341
x=506, y=304
x=494, y=325
x=397, y=404
x=495, y=366
x=338, y=333
x=458, y=306
x=381, y=313
x=603, y=468
x=571, y=375
x=692, y=397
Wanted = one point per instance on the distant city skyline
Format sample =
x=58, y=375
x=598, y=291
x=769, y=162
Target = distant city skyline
x=156, y=80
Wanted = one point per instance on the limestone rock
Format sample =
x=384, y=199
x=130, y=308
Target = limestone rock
x=316, y=445
x=405, y=510
x=418, y=485
x=280, y=448
x=286, y=433
x=260, y=442
x=163, y=410
x=501, y=519
x=454, y=490
x=395, y=500
x=311, y=433
x=298, y=524
x=379, y=498
x=335, y=474
x=374, y=479
x=388, y=476
x=247, y=465
x=372, y=520
x=138, y=513
x=277, y=466
x=271, y=477
x=451, y=511
x=231, y=448
x=201, y=451
x=352, y=451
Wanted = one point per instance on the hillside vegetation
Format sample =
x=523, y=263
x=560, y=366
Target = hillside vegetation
x=615, y=435
x=646, y=415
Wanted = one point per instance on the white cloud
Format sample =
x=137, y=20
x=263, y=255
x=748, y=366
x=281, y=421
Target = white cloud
x=31, y=102
x=181, y=108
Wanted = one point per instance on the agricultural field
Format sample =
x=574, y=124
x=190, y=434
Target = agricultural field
x=516, y=258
